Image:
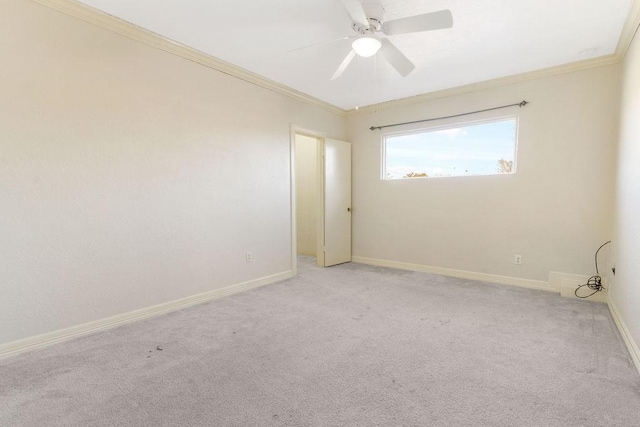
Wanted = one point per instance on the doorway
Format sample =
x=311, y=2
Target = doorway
x=307, y=194
x=321, y=198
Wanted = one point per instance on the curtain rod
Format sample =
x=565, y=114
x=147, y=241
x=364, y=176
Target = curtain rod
x=520, y=104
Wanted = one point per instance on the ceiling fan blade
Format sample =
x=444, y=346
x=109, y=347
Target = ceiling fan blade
x=320, y=43
x=413, y=24
x=396, y=58
x=345, y=63
x=356, y=12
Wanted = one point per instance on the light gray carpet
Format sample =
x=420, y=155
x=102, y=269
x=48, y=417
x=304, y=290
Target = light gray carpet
x=351, y=345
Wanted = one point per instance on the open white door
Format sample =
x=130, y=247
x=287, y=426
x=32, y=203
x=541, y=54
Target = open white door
x=337, y=202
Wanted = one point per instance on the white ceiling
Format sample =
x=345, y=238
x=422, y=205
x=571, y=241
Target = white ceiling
x=489, y=39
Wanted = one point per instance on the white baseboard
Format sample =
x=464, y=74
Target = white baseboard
x=45, y=340
x=626, y=335
x=462, y=274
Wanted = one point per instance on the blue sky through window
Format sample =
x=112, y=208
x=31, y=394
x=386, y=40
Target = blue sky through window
x=465, y=150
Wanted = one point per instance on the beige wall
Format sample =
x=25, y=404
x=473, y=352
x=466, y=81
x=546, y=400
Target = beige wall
x=555, y=211
x=306, y=194
x=130, y=177
x=625, y=291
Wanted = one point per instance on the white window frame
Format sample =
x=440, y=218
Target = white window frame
x=451, y=125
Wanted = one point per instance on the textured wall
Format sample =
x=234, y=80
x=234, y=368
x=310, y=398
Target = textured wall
x=555, y=211
x=625, y=291
x=130, y=177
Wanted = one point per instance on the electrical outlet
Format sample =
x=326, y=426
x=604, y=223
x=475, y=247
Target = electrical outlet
x=518, y=259
x=249, y=257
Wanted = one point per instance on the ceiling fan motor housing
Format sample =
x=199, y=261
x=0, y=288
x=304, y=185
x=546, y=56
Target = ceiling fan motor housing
x=375, y=15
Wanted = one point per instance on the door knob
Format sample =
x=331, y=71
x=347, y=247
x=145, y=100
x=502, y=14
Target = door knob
x=348, y=209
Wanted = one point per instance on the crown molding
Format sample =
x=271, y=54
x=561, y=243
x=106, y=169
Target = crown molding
x=631, y=27
x=629, y=30
x=488, y=84
x=127, y=29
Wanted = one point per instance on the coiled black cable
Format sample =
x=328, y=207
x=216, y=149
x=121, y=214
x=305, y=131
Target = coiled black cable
x=595, y=282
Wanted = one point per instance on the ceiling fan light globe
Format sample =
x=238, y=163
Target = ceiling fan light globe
x=366, y=46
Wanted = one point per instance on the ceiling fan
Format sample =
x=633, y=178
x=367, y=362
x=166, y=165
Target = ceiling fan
x=372, y=33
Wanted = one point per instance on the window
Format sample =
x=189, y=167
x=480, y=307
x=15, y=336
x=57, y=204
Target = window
x=485, y=148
